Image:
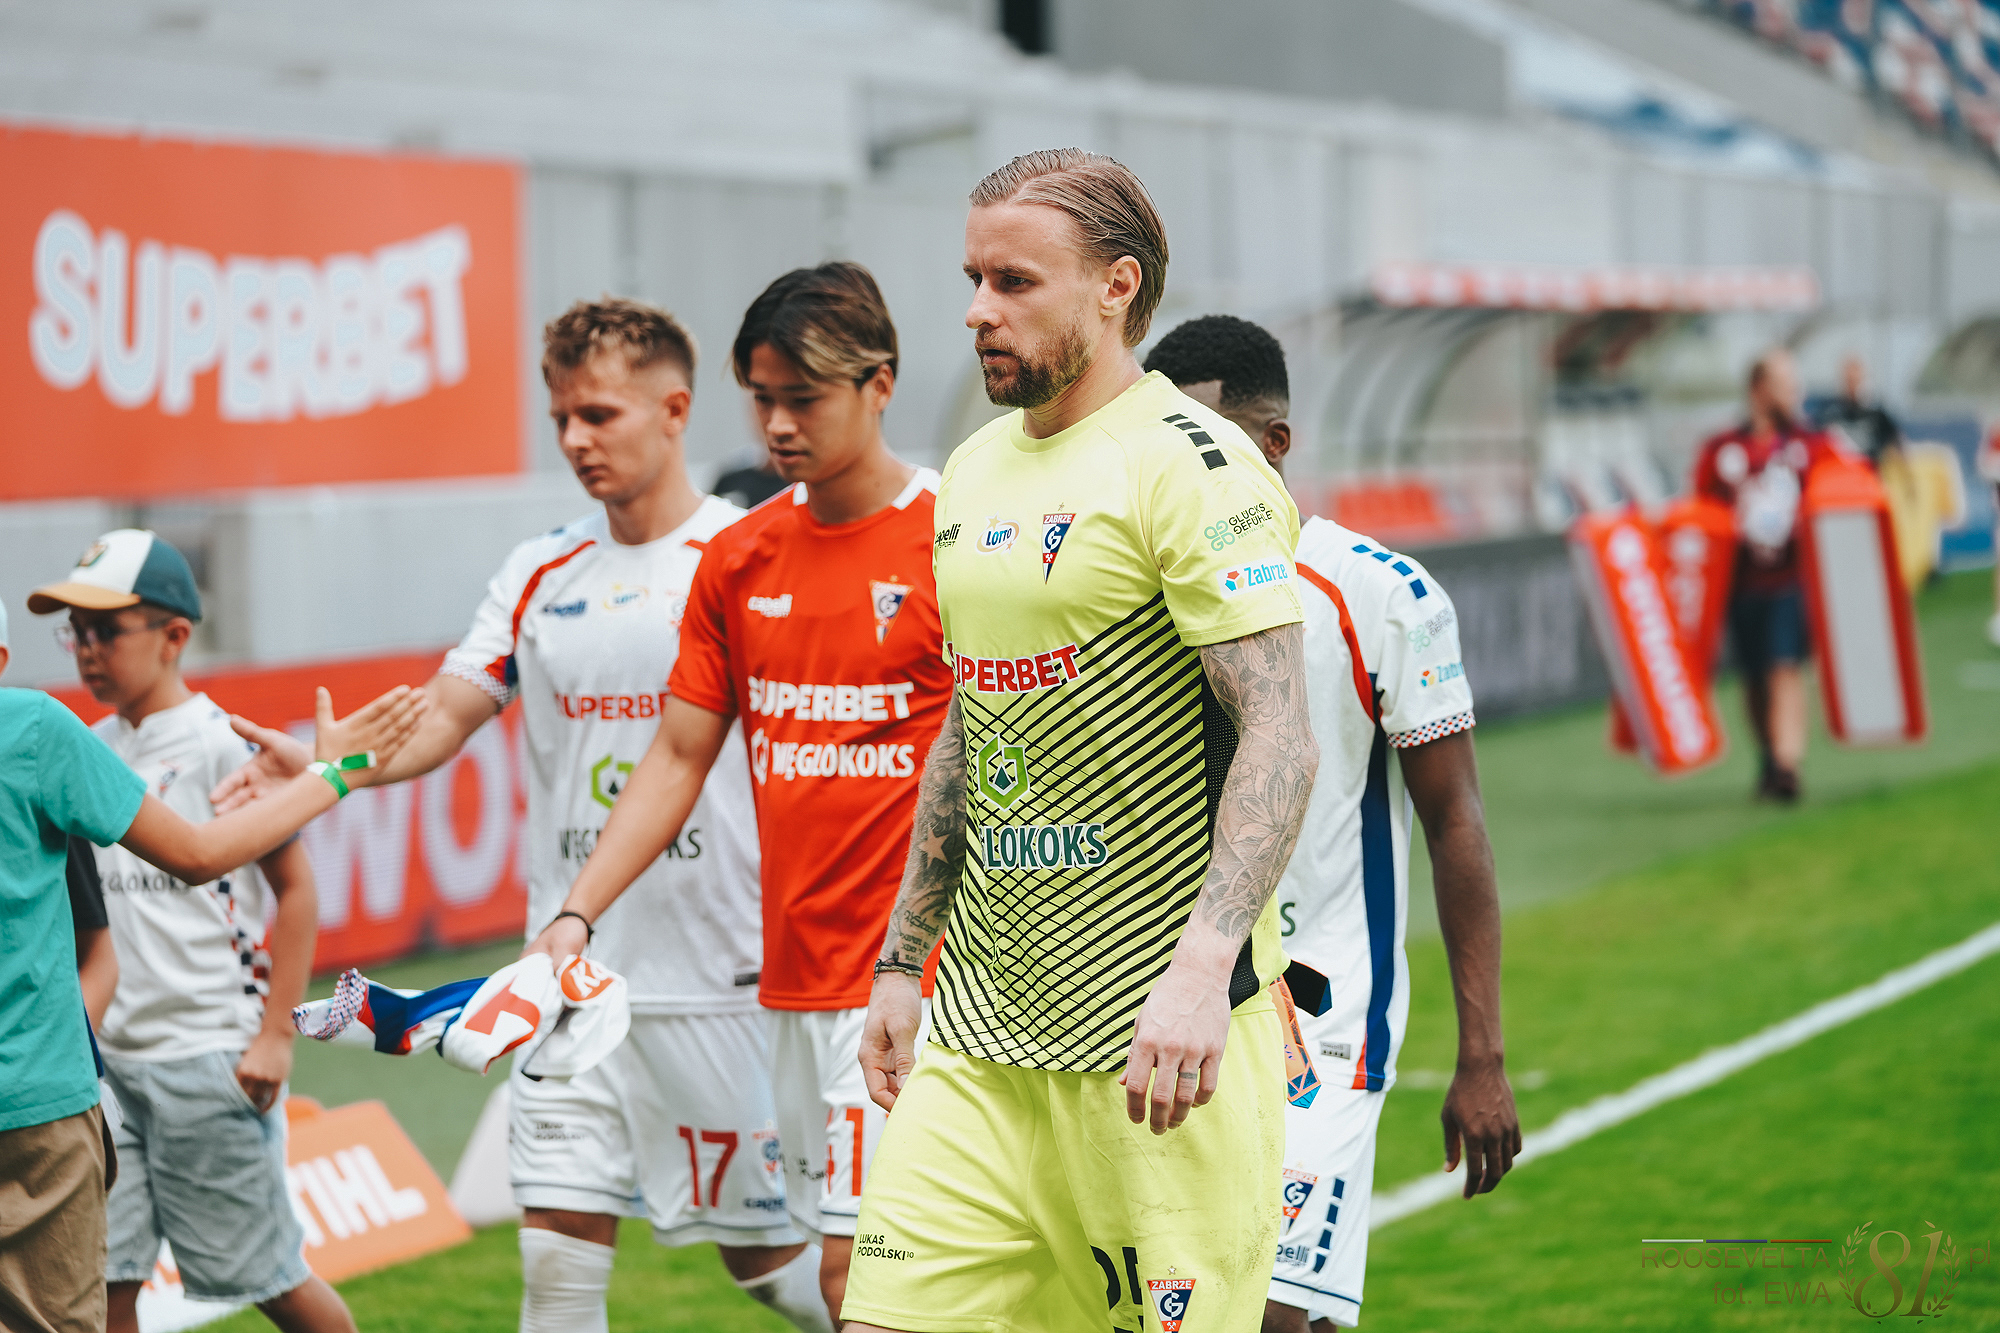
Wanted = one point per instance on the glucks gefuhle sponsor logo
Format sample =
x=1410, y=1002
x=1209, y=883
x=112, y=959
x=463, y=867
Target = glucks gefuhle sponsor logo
x=1226, y=531
x=1016, y=675
x=1422, y=636
x=1877, y=1270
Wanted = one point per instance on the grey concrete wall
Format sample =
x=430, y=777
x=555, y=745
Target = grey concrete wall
x=1349, y=50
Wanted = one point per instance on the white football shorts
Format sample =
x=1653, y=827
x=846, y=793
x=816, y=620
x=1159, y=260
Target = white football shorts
x=1328, y=1177
x=676, y=1126
x=825, y=1120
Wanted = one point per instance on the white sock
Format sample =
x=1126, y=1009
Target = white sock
x=563, y=1281
x=793, y=1291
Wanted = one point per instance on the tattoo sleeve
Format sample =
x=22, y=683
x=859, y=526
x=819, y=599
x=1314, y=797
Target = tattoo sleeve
x=937, y=849
x=1260, y=680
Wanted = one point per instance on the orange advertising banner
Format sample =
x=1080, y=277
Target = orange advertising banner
x=179, y=316
x=434, y=863
x=1664, y=695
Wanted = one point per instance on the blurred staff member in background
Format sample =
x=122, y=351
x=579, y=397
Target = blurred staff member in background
x=1759, y=469
x=1383, y=677
x=1866, y=422
x=1922, y=480
x=198, y=1040
x=58, y=780
x=582, y=625
x=814, y=621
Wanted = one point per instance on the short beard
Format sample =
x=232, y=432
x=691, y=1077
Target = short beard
x=1034, y=383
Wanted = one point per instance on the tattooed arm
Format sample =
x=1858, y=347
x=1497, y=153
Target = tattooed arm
x=930, y=878
x=1260, y=682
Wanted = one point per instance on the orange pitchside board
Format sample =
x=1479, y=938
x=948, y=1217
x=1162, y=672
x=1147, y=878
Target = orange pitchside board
x=1664, y=693
x=1694, y=541
x=179, y=316
x=425, y=864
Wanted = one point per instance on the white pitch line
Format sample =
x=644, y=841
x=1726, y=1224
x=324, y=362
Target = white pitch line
x=1710, y=1067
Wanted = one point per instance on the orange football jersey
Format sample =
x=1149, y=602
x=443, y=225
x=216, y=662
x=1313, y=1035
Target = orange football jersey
x=825, y=641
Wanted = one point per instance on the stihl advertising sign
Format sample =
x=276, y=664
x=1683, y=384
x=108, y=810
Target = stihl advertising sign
x=179, y=316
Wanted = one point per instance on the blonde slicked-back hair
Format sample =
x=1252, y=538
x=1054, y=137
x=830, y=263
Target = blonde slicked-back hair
x=1114, y=215
x=646, y=334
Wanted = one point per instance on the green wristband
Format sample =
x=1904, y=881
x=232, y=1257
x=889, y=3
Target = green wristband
x=331, y=774
x=350, y=762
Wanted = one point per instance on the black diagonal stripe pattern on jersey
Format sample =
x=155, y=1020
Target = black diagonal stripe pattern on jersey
x=1048, y=967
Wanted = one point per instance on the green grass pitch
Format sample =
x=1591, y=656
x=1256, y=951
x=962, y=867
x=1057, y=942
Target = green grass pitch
x=1646, y=923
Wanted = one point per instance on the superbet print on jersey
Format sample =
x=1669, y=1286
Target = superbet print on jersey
x=824, y=641
x=583, y=631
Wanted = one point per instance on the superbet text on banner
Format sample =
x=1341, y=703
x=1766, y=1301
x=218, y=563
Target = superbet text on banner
x=1662, y=691
x=1864, y=632
x=1694, y=542
x=199, y=316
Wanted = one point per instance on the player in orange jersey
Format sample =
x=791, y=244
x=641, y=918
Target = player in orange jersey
x=815, y=621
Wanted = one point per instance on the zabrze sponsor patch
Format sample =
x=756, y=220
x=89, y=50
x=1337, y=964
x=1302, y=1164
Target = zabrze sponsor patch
x=1171, y=1297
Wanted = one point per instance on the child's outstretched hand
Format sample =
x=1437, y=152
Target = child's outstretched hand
x=382, y=726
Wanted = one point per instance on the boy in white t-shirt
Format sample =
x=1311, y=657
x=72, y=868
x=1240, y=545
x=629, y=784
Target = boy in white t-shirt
x=197, y=1043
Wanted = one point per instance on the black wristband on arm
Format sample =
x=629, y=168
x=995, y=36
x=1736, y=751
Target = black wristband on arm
x=589, y=931
x=898, y=965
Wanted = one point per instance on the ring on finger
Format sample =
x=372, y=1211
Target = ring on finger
x=1189, y=1073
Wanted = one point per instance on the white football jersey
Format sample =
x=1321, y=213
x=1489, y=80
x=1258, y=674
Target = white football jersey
x=190, y=971
x=1383, y=673
x=584, y=631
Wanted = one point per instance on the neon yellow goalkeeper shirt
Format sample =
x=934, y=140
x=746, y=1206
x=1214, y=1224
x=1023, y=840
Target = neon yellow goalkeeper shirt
x=1077, y=576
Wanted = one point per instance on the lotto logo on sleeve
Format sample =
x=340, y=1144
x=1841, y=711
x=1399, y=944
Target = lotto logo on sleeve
x=1171, y=1298
x=1249, y=578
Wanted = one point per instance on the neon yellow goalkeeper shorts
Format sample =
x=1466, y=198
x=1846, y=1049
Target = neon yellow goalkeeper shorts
x=1007, y=1200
